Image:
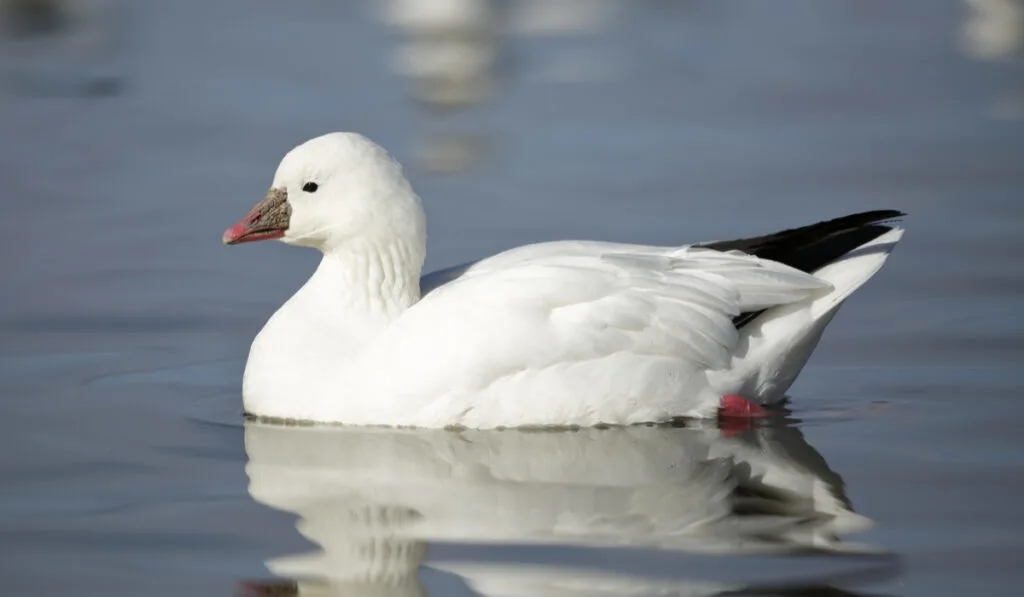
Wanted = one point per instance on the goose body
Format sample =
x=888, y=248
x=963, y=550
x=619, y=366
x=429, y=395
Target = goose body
x=560, y=333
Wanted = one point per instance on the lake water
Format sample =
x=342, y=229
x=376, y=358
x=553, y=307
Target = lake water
x=126, y=468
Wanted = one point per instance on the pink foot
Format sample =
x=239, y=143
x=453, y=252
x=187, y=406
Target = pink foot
x=739, y=407
x=737, y=414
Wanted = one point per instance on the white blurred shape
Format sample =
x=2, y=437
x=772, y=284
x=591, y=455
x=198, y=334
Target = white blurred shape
x=994, y=29
x=556, y=17
x=448, y=48
x=449, y=153
x=425, y=16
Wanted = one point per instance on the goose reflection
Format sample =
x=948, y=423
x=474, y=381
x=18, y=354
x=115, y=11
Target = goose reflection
x=372, y=498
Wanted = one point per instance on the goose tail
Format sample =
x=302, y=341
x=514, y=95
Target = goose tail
x=775, y=344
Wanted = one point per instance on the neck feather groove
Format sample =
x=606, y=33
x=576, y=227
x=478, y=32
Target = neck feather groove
x=376, y=280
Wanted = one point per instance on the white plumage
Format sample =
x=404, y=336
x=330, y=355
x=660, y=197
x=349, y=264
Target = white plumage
x=561, y=333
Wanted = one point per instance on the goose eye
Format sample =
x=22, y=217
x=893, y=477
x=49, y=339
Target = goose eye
x=310, y=187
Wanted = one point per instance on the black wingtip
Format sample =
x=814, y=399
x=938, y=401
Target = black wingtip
x=883, y=216
x=782, y=245
x=808, y=248
x=852, y=221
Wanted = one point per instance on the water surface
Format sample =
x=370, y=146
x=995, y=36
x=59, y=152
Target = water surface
x=126, y=466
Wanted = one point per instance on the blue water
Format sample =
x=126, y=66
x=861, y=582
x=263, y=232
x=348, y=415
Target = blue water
x=126, y=468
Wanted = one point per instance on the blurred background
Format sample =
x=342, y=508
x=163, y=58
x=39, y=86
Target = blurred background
x=132, y=132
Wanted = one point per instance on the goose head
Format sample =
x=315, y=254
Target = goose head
x=332, y=192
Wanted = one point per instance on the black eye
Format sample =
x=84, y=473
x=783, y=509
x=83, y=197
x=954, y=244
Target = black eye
x=310, y=187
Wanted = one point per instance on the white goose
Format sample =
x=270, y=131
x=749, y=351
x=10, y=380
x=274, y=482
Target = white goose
x=553, y=334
